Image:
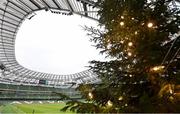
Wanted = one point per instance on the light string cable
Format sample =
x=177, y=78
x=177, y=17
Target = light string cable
x=175, y=39
x=178, y=34
x=173, y=57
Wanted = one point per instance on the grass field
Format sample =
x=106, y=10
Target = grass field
x=33, y=108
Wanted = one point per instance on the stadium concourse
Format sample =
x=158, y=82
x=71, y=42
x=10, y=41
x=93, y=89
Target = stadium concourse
x=17, y=81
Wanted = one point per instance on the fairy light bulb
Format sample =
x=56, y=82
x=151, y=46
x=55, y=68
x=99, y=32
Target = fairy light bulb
x=135, y=32
x=90, y=95
x=129, y=54
x=130, y=44
x=122, y=23
x=109, y=104
x=157, y=68
x=122, y=42
x=171, y=91
x=150, y=25
x=120, y=98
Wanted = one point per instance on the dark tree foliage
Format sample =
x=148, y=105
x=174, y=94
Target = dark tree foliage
x=142, y=39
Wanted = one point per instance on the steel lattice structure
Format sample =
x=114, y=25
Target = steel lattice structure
x=12, y=15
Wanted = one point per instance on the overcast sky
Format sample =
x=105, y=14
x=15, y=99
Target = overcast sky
x=55, y=43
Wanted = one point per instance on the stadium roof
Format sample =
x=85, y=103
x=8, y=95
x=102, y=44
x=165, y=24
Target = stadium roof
x=12, y=15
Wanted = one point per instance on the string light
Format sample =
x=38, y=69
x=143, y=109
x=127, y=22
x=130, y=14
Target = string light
x=129, y=54
x=122, y=17
x=171, y=91
x=130, y=44
x=122, y=42
x=150, y=25
x=122, y=23
x=130, y=75
x=157, y=68
x=120, y=98
x=136, y=33
x=90, y=95
x=109, y=104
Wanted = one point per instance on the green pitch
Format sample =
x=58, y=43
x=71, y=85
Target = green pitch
x=33, y=108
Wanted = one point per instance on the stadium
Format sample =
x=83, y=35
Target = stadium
x=142, y=37
x=20, y=84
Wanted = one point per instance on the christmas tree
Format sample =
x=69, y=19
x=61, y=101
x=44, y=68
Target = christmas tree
x=142, y=39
